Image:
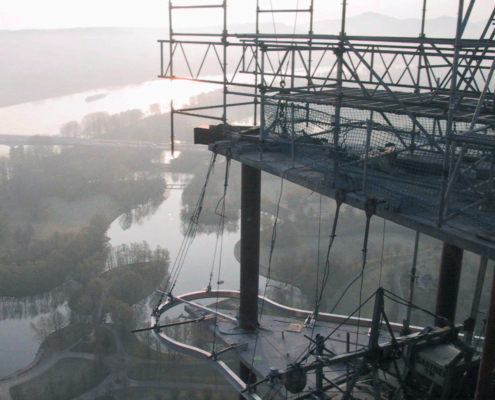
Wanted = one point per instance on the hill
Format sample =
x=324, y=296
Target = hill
x=50, y=63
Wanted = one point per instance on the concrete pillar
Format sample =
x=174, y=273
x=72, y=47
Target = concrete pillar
x=250, y=247
x=485, y=388
x=448, y=283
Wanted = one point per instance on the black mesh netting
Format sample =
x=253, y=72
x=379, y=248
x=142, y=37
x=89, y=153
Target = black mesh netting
x=403, y=161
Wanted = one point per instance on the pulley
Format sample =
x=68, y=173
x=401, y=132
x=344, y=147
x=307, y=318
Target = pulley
x=295, y=379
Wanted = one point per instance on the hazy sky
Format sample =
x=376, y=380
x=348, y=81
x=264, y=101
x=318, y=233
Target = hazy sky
x=46, y=14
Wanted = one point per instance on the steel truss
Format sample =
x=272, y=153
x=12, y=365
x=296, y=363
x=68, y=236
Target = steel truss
x=445, y=80
x=443, y=87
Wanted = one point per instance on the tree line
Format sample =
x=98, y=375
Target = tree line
x=29, y=266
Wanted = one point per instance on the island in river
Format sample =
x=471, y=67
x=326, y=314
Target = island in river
x=56, y=207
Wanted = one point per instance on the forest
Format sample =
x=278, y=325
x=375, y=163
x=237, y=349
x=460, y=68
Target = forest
x=38, y=182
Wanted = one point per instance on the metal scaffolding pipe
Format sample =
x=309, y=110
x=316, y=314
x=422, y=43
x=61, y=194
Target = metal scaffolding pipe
x=250, y=247
x=448, y=283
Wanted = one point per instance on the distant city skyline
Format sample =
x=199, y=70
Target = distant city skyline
x=59, y=14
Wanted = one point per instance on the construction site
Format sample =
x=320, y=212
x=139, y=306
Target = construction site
x=399, y=127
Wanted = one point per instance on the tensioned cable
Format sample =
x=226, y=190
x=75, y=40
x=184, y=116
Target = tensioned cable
x=333, y=235
x=275, y=393
x=318, y=256
x=274, y=29
x=268, y=274
x=192, y=227
x=369, y=214
x=344, y=292
x=221, y=228
x=188, y=237
x=383, y=247
x=270, y=257
x=293, y=34
x=326, y=271
x=222, y=219
x=313, y=347
x=399, y=300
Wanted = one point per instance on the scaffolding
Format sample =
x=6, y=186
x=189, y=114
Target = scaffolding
x=362, y=105
x=408, y=122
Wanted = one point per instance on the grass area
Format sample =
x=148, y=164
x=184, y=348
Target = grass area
x=104, y=344
x=68, y=378
x=134, y=347
x=184, y=372
x=63, y=338
x=144, y=275
x=175, y=394
x=105, y=398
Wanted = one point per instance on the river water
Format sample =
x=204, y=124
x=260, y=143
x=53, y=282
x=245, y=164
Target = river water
x=45, y=117
x=18, y=346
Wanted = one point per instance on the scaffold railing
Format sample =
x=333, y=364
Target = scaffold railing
x=411, y=118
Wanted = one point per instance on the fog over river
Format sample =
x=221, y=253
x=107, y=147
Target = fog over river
x=17, y=345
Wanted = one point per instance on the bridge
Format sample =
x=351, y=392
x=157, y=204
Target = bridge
x=46, y=140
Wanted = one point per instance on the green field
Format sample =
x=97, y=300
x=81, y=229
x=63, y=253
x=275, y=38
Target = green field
x=68, y=378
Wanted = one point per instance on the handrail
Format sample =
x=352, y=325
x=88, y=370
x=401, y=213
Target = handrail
x=220, y=366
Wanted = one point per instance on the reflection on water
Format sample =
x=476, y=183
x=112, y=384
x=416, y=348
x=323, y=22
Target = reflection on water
x=18, y=347
x=164, y=229
x=45, y=117
x=33, y=306
x=17, y=344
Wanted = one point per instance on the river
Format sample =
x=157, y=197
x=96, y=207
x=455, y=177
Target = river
x=17, y=344
x=45, y=117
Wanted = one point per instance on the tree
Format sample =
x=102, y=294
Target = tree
x=155, y=109
x=48, y=324
x=95, y=124
x=122, y=315
x=71, y=129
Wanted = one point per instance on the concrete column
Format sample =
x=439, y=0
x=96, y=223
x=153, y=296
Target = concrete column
x=250, y=247
x=485, y=388
x=448, y=283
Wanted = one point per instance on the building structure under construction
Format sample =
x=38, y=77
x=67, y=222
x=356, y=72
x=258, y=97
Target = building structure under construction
x=400, y=127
